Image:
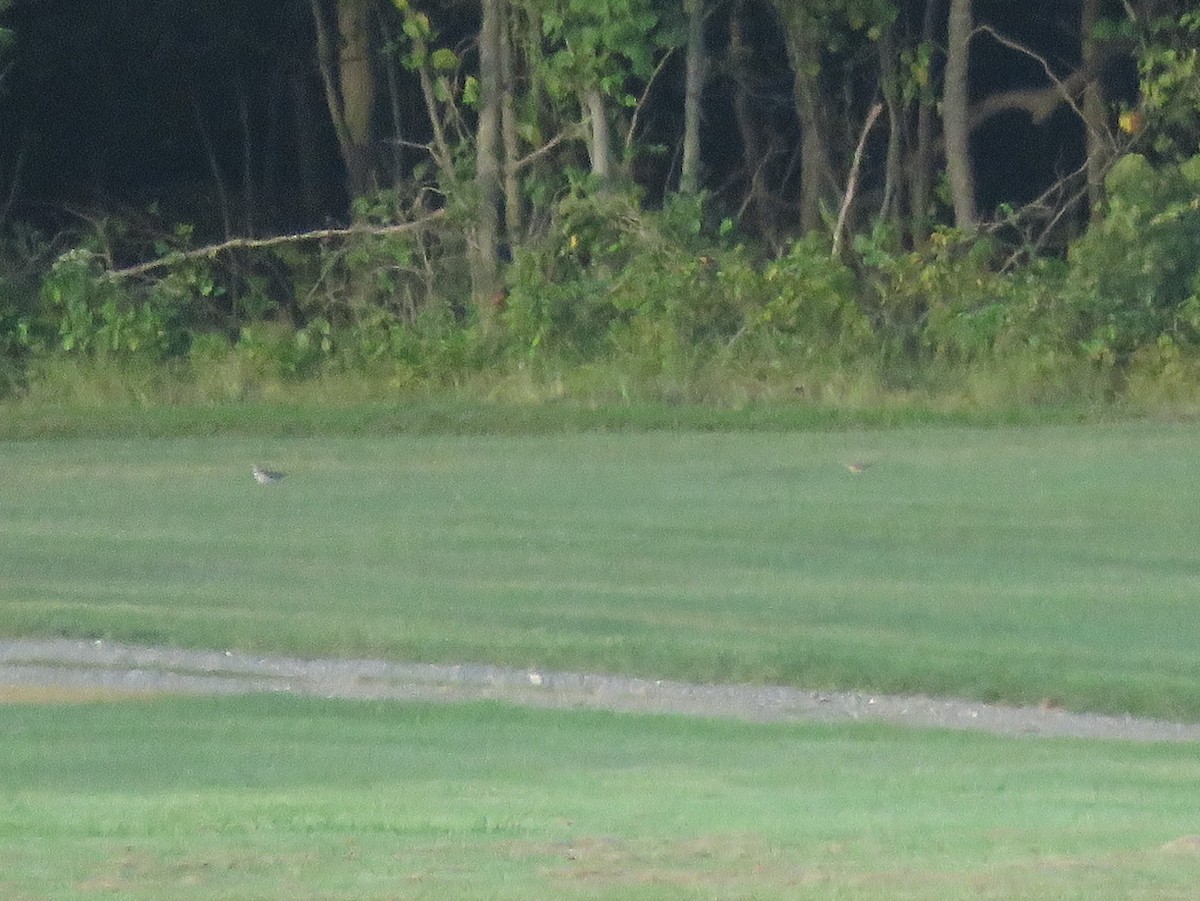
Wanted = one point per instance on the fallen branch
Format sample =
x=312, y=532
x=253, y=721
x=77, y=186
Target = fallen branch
x=212, y=250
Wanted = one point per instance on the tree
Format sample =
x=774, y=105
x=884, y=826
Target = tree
x=689, y=170
x=349, y=79
x=1169, y=76
x=829, y=101
x=1095, y=111
x=818, y=186
x=922, y=156
x=598, y=48
x=7, y=39
x=956, y=116
x=483, y=244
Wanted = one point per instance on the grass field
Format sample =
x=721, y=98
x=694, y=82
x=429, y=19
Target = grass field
x=1010, y=563
x=279, y=798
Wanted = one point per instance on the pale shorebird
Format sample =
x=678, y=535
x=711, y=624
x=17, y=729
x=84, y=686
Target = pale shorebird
x=858, y=467
x=267, y=476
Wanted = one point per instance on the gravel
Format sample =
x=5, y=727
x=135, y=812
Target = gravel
x=67, y=666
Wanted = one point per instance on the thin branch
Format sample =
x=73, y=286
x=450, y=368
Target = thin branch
x=393, y=82
x=1065, y=89
x=333, y=96
x=15, y=186
x=213, y=250
x=852, y=182
x=1039, y=203
x=416, y=145
x=247, y=158
x=440, y=151
x=214, y=167
x=533, y=156
x=637, y=110
x=99, y=223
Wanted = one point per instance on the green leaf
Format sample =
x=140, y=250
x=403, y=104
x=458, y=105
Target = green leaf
x=417, y=26
x=444, y=60
x=530, y=133
x=470, y=92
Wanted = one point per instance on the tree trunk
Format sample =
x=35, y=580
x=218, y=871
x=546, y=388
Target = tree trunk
x=956, y=114
x=891, y=207
x=349, y=81
x=1094, y=110
x=816, y=170
x=483, y=245
x=391, y=68
x=818, y=187
x=357, y=79
x=759, y=201
x=921, y=171
x=508, y=132
x=601, y=143
x=689, y=175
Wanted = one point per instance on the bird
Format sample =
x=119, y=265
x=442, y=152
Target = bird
x=267, y=476
x=858, y=467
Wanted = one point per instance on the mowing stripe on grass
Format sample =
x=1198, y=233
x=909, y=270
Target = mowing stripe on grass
x=276, y=797
x=1007, y=564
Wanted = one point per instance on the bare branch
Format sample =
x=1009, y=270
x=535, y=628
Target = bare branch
x=574, y=131
x=213, y=250
x=333, y=97
x=1040, y=103
x=637, y=110
x=852, y=183
x=442, y=157
x=15, y=186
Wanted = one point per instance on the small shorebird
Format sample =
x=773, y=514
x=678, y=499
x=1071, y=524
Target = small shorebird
x=858, y=467
x=267, y=476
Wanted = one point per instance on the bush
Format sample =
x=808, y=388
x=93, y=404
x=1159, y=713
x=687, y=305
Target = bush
x=1135, y=274
x=610, y=279
x=811, y=306
x=83, y=312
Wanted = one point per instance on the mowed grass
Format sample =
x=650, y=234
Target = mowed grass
x=282, y=798
x=1006, y=563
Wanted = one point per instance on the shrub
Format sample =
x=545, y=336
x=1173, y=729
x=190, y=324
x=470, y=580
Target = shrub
x=810, y=305
x=92, y=315
x=1135, y=274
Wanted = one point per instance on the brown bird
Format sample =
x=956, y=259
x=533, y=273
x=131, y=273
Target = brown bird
x=858, y=467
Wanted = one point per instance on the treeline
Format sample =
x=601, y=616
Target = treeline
x=674, y=198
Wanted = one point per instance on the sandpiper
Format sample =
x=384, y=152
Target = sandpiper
x=267, y=476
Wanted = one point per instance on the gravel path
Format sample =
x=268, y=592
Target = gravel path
x=67, y=668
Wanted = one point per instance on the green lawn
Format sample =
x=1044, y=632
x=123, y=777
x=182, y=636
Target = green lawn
x=1006, y=563
x=275, y=797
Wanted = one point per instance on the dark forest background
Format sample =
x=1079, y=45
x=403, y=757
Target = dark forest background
x=688, y=193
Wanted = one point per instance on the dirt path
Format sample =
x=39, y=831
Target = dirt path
x=64, y=669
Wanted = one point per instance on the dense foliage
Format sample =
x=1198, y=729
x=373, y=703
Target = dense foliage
x=517, y=214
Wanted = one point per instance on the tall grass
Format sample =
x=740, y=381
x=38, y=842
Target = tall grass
x=540, y=390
